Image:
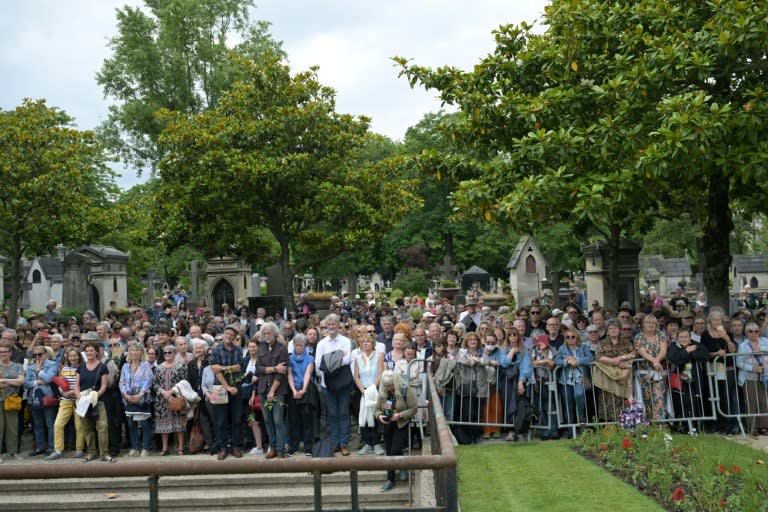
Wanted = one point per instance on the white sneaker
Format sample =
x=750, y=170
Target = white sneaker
x=133, y=453
x=366, y=450
x=379, y=450
x=256, y=451
x=145, y=453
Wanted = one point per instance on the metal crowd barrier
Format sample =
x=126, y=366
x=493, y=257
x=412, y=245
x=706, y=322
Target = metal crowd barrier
x=485, y=402
x=683, y=397
x=747, y=403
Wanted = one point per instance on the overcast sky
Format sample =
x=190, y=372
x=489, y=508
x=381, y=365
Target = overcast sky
x=52, y=49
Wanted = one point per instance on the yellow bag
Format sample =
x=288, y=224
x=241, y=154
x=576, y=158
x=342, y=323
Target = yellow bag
x=12, y=403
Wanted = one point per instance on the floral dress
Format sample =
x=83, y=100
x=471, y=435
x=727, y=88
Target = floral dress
x=652, y=383
x=167, y=421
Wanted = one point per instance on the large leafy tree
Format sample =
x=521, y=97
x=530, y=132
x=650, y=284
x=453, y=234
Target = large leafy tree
x=172, y=54
x=275, y=153
x=617, y=107
x=54, y=186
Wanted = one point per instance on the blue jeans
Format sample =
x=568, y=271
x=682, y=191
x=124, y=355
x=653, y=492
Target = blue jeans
x=337, y=405
x=574, y=404
x=229, y=423
x=277, y=429
x=43, y=419
x=447, y=403
x=146, y=434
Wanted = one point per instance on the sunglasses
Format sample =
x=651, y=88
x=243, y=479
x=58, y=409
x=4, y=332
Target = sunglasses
x=168, y=353
x=570, y=337
x=752, y=330
x=38, y=354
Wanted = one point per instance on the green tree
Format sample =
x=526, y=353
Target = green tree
x=274, y=153
x=175, y=56
x=597, y=118
x=54, y=186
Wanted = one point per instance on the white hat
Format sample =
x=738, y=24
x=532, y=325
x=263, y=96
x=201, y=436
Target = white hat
x=556, y=312
x=429, y=314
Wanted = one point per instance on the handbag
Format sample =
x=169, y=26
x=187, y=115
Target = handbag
x=177, y=403
x=12, y=403
x=675, y=381
x=221, y=397
x=196, y=441
x=255, y=402
x=50, y=401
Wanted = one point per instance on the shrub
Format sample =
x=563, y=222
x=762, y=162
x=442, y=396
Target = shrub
x=412, y=281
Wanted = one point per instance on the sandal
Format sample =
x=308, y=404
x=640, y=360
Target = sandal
x=163, y=453
x=108, y=458
x=89, y=458
x=180, y=452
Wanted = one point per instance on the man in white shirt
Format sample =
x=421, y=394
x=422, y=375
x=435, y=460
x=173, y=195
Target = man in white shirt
x=337, y=401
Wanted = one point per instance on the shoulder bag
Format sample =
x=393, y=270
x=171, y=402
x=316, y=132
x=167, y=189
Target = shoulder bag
x=12, y=403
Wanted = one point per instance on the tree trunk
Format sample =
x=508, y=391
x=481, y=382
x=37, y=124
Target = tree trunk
x=716, y=249
x=285, y=268
x=13, y=302
x=612, y=286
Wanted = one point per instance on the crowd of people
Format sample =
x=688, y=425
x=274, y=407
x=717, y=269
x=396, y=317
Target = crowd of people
x=168, y=380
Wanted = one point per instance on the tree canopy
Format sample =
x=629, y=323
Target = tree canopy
x=174, y=54
x=275, y=154
x=54, y=186
x=618, y=109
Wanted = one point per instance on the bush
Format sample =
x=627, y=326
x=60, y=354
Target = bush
x=395, y=293
x=412, y=282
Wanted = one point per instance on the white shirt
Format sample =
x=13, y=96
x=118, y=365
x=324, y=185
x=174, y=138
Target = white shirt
x=328, y=344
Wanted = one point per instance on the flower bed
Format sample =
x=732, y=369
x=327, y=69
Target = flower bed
x=679, y=472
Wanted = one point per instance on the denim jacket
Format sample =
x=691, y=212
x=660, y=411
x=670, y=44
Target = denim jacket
x=49, y=371
x=573, y=375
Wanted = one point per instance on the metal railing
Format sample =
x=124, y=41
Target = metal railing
x=684, y=396
x=442, y=462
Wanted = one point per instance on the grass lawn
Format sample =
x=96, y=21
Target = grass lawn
x=546, y=476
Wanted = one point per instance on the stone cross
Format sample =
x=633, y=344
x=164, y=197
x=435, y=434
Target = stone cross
x=447, y=269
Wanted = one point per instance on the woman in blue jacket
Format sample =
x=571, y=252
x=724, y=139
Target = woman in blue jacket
x=38, y=381
x=573, y=359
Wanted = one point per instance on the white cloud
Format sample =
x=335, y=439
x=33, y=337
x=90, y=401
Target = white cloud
x=52, y=49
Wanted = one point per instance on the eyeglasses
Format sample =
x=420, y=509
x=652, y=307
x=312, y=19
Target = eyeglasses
x=752, y=330
x=114, y=344
x=38, y=354
x=535, y=312
x=168, y=353
x=570, y=337
x=626, y=328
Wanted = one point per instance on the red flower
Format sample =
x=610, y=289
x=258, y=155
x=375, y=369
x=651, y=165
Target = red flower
x=626, y=444
x=603, y=447
x=721, y=469
x=735, y=469
x=678, y=495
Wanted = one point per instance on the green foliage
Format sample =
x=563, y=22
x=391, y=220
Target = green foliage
x=700, y=474
x=616, y=111
x=173, y=54
x=292, y=176
x=395, y=293
x=54, y=186
x=673, y=238
x=412, y=281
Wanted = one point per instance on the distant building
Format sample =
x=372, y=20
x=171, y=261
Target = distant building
x=665, y=273
x=42, y=280
x=527, y=269
x=749, y=269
